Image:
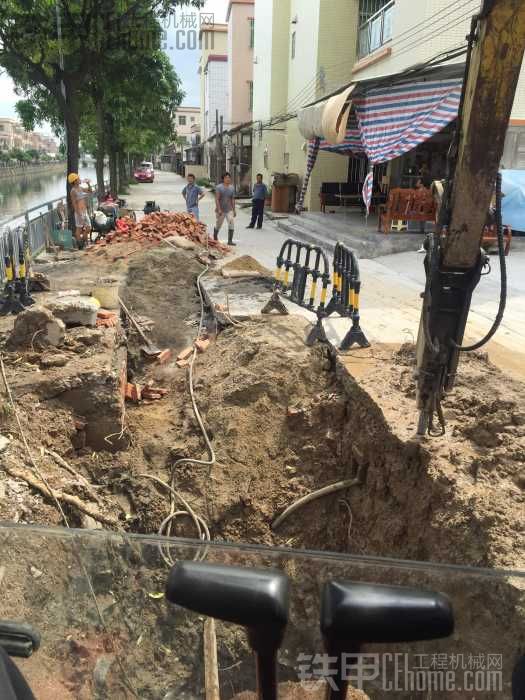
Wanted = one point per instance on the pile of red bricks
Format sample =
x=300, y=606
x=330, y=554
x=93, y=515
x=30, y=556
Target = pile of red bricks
x=152, y=228
x=149, y=392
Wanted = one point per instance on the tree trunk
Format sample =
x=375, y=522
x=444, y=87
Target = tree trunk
x=99, y=168
x=101, y=145
x=73, y=155
x=123, y=173
x=113, y=170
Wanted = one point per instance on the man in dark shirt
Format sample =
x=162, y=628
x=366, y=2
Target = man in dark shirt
x=260, y=192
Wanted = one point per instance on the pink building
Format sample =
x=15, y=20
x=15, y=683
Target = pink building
x=240, y=20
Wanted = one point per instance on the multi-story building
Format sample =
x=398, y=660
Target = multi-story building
x=303, y=49
x=241, y=36
x=213, y=71
x=7, y=133
x=397, y=34
x=306, y=49
x=13, y=135
x=238, y=139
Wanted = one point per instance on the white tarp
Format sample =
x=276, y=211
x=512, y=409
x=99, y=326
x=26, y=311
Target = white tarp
x=327, y=119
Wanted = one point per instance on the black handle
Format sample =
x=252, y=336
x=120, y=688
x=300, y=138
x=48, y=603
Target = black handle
x=253, y=598
x=362, y=612
x=18, y=639
x=355, y=613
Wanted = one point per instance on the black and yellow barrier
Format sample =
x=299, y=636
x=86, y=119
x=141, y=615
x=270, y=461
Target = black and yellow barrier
x=303, y=277
x=346, y=288
x=16, y=254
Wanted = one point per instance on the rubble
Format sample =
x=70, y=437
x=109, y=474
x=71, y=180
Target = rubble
x=202, y=344
x=136, y=393
x=155, y=227
x=48, y=361
x=75, y=310
x=181, y=242
x=185, y=354
x=106, y=319
x=36, y=327
x=87, y=336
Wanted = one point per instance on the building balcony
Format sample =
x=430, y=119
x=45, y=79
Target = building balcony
x=376, y=30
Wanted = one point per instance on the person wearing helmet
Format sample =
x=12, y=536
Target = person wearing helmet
x=79, y=197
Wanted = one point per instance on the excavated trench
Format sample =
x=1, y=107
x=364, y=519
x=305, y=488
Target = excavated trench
x=286, y=420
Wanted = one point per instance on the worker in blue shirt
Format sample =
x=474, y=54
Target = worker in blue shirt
x=192, y=194
x=260, y=192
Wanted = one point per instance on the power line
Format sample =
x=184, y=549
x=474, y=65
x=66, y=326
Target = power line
x=423, y=39
x=437, y=17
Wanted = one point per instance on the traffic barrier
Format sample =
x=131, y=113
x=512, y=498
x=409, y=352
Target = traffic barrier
x=15, y=253
x=346, y=288
x=309, y=266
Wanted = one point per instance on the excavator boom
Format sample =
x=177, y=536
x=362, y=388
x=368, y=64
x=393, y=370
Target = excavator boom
x=454, y=259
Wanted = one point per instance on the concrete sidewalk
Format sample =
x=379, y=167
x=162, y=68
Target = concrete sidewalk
x=391, y=285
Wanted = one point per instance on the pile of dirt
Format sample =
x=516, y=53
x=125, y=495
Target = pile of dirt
x=246, y=263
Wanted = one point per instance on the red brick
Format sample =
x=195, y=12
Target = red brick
x=133, y=392
x=185, y=353
x=165, y=356
x=202, y=344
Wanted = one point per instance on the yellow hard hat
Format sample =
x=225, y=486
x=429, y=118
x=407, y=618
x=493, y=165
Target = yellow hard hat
x=72, y=177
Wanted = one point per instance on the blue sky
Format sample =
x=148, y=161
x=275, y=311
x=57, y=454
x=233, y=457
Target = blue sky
x=185, y=61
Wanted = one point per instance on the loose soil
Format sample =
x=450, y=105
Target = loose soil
x=285, y=420
x=247, y=264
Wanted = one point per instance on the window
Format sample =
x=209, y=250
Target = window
x=192, y=120
x=182, y=120
x=252, y=33
x=375, y=29
x=293, y=44
x=250, y=97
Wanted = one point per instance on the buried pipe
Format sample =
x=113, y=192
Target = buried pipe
x=325, y=491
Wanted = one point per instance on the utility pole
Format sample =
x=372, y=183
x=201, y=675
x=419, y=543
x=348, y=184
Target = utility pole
x=454, y=261
x=223, y=160
x=217, y=145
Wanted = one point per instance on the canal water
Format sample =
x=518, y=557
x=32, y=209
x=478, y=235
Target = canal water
x=20, y=193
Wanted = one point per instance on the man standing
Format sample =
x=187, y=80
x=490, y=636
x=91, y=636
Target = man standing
x=225, y=207
x=260, y=192
x=79, y=199
x=192, y=194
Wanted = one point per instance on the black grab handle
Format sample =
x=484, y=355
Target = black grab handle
x=362, y=612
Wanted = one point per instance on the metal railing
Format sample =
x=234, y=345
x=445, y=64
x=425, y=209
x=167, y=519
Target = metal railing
x=39, y=221
x=376, y=31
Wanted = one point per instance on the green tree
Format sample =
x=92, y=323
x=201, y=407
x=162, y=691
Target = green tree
x=31, y=53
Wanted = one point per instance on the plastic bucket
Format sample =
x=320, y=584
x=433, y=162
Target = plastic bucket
x=106, y=291
x=63, y=238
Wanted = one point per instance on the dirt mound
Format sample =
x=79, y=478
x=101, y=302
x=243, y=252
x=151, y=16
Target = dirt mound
x=246, y=263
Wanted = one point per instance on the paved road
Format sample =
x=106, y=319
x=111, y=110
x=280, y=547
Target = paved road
x=391, y=285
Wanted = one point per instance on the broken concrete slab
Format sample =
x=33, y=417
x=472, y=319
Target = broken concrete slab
x=86, y=336
x=36, y=325
x=181, y=242
x=75, y=311
x=55, y=360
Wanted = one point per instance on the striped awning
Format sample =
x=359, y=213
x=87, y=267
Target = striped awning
x=352, y=141
x=396, y=119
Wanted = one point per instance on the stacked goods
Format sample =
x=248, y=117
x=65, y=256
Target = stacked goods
x=155, y=227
